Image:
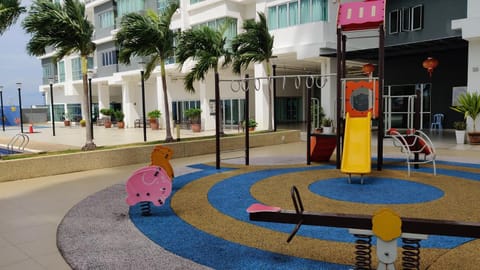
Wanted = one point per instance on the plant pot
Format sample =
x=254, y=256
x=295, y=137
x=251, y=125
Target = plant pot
x=66, y=123
x=251, y=129
x=474, y=137
x=322, y=146
x=460, y=136
x=327, y=130
x=154, y=124
x=107, y=124
x=121, y=124
x=196, y=127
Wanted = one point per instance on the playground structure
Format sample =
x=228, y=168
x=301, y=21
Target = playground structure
x=385, y=225
x=151, y=184
x=413, y=144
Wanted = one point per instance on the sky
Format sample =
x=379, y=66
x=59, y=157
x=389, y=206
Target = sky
x=16, y=65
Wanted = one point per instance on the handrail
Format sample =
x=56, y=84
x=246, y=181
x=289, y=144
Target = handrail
x=20, y=147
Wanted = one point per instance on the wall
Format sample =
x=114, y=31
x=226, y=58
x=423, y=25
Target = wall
x=83, y=161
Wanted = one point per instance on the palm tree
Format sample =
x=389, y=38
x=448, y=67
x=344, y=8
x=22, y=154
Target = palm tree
x=206, y=47
x=10, y=10
x=149, y=36
x=255, y=45
x=66, y=29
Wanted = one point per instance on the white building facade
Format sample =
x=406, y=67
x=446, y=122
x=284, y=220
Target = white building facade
x=302, y=30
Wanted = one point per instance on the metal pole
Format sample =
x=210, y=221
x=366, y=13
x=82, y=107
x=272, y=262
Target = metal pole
x=90, y=110
x=309, y=124
x=381, y=78
x=217, y=121
x=339, y=96
x=51, y=109
x=1, y=103
x=142, y=75
x=274, y=97
x=20, y=104
x=247, y=118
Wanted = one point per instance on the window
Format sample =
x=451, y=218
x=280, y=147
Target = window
x=289, y=14
x=109, y=58
x=417, y=17
x=293, y=13
x=196, y=1
x=394, y=21
x=272, y=18
x=230, y=32
x=77, y=67
x=163, y=4
x=406, y=19
x=61, y=71
x=127, y=6
x=179, y=107
x=47, y=71
x=411, y=18
x=106, y=19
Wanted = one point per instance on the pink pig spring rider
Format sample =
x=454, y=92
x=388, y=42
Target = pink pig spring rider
x=150, y=184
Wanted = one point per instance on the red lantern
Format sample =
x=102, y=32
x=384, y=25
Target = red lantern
x=368, y=69
x=430, y=64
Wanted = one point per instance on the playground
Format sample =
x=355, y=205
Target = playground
x=204, y=222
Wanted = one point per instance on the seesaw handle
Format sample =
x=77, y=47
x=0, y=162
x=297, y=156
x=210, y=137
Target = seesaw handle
x=297, y=203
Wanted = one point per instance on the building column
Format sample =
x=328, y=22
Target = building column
x=329, y=91
x=260, y=87
x=131, y=103
x=103, y=97
x=208, y=122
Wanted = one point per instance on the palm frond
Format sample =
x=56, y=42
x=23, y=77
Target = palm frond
x=10, y=10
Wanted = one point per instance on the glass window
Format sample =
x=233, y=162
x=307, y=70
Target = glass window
x=282, y=16
x=76, y=69
x=61, y=71
x=394, y=21
x=293, y=13
x=272, y=18
x=196, y=1
x=305, y=11
x=128, y=6
x=417, y=17
x=319, y=10
x=47, y=71
x=106, y=19
x=109, y=58
x=405, y=19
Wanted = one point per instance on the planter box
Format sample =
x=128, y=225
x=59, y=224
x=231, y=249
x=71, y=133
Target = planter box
x=322, y=146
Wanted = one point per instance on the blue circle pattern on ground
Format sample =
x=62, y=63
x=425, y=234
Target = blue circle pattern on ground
x=376, y=190
x=231, y=197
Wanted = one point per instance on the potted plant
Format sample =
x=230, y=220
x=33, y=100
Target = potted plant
x=153, y=116
x=119, y=115
x=469, y=106
x=193, y=115
x=67, y=120
x=83, y=123
x=107, y=119
x=252, y=124
x=460, y=127
x=327, y=125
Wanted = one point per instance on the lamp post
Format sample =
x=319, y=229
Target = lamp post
x=1, y=103
x=90, y=99
x=19, y=85
x=142, y=77
x=51, y=81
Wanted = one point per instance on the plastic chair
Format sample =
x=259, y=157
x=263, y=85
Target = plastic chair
x=437, y=121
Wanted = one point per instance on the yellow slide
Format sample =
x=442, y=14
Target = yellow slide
x=356, y=156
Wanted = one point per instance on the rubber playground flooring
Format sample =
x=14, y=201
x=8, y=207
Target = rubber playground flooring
x=205, y=219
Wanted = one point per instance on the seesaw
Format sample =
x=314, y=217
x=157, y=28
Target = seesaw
x=385, y=225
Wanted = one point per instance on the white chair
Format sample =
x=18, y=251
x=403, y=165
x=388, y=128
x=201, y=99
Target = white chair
x=437, y=121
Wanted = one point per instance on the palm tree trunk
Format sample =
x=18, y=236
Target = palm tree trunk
x=89, y=144
x=168, y=130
